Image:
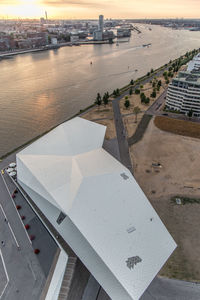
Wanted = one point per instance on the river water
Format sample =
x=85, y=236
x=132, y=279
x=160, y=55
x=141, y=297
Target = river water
x=40, y=90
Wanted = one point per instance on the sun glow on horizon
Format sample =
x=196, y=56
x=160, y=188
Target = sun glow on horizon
x=25, y=9
x=86, y=9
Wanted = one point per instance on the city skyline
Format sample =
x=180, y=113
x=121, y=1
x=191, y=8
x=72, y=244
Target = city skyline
x=86, y=9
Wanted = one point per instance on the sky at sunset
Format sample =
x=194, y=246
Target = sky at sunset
x=77, y=9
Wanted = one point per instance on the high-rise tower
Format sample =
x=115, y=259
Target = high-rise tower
x=101, y=23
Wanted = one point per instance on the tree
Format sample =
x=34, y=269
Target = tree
x=165, y=73
x=142, y=97
x=158, y=88
x=136, y=111
x=147, y=100
x=152, y=70
x=190, y=113
x=127, y=103
x=167, y=81
x=137, y=91
x=117, y=91
x=131, y=82
x=105, y=99
x=153, y=84
x=153, y=94
x=159, y=82
x=98, y=100
x=141, y=86
x=130, y=91
x=148, y=74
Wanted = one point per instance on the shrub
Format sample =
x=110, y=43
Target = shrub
x=32, y=237
x=153, y=94
x=137, y=91
x=127, y=103
x=142, y=97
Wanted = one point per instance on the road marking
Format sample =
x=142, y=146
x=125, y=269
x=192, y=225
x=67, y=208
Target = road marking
x=16, y=208
x=7, y=277
x=10, y=226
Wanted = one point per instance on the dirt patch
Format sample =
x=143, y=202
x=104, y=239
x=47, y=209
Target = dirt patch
x=99, y=112
x=136, y=101
x=181, y=127
x=173, y=168
x=110, y=131
x=103, y=115
x=130, y=124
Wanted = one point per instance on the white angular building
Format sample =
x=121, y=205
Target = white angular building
x=96, y=205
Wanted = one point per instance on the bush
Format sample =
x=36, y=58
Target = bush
x=127, y=103
x=137, y=91
x=142, y=97
x=159, y=82
x=153, y=94
x=32, y=237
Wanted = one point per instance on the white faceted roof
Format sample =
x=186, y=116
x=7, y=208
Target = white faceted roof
x=69, y=168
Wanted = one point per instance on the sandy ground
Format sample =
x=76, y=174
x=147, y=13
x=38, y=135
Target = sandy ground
x=129, y=120
x=106, y=114
x=179, y=175
x=130, y=123
x=99, y=112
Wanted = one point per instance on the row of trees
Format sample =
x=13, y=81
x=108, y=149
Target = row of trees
x=99, y=99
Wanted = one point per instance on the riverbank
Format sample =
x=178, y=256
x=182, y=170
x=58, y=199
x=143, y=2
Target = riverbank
x=9, y=54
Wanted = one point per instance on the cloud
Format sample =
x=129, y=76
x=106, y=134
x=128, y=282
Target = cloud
x=80, y=3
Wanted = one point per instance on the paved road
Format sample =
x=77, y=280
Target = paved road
x=168, y=289
x=26, y=284
x=121, y=136
x=154, y=109
x=119, y=125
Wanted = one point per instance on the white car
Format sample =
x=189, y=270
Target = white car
x=12, y=165
x=12, y=174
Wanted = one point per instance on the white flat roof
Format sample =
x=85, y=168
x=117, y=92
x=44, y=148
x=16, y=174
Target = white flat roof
x=69, y=169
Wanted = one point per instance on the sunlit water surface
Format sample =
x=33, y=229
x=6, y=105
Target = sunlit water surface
x=38, y=91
